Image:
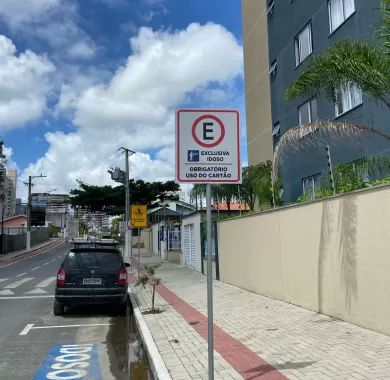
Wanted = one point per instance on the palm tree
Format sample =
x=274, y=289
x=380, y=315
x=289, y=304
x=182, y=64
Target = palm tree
x=349, y=62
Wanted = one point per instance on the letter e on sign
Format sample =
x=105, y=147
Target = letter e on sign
x=202, y=134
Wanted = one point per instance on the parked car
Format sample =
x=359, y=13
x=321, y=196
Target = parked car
x=92, y=275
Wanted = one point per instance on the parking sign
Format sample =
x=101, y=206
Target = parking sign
x=208, y=146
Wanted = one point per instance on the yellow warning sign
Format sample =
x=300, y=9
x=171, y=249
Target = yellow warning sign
x=139, y=216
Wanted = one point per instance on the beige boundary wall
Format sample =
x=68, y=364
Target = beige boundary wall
x=330, y=256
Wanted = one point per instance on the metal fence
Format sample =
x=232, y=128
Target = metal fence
x=13, y=242
x=174, y=240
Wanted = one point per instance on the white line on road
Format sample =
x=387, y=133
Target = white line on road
x=6, y=292
x=3, y=279
x=18, y=283
x=45, y=283
x=30, y=327
x=21, y=274
x=25, y=297
x=26, y=329
x=47, y=263
x=35, y=268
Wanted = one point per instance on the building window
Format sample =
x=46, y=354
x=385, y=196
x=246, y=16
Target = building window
x=276, y=133
x=270, y=7
x=273, y=68
x=310, y=185
x=307, y=113
x=348, y=97
x=303, y=44
x=339, y=11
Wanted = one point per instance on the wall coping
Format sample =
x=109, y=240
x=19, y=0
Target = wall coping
x=310, y=203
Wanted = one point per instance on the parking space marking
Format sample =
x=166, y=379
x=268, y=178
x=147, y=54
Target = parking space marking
x=27, y=329
x=32, y=327
x=71, y=361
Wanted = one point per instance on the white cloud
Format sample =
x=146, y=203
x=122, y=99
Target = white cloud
x=136, y=107
x=24, y=85
x=17, y=12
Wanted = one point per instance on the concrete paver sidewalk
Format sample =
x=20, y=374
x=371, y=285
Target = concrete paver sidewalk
x=255, y=337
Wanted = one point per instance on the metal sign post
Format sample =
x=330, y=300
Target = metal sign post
x=139, y=219
x=208, y=151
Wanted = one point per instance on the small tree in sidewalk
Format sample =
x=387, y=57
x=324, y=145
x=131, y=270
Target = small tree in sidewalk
x=148, y=277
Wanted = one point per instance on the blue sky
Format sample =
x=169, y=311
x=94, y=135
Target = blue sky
x=85, y=77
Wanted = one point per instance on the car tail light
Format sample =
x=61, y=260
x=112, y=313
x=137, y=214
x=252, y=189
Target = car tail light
x=61, y=277
x=122, y=277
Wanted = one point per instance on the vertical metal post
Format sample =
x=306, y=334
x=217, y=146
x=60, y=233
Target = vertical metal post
x=128, y=243
x=28, y=243
x=327, y=148
x=210, y=340
x=139, y=250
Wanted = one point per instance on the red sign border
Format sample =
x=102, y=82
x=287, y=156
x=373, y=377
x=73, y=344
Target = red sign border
x=221, y=125
x=207, y=111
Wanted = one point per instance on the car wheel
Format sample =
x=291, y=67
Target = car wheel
x=58, y=309
x=123, y=309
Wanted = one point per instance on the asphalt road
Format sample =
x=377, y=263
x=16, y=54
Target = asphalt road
x=29, y=331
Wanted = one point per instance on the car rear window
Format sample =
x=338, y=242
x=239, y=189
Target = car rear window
x=91, y=259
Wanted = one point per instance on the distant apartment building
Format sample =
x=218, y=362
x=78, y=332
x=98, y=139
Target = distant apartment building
x=20, y=208
x=297, y=30
x=10, y=193
x=95, y=220
x=56, y=207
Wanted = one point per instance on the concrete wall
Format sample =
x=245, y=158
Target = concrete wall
x=329, y=256
x=257, y=86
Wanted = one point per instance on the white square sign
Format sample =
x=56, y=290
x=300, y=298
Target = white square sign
x=208, y=146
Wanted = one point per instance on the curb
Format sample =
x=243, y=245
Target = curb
x=156, y=362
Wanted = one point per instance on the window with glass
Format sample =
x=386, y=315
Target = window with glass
x=348, y=97
x=307, y=113
x=339, y=11
x=310, y=185
x=303, y=44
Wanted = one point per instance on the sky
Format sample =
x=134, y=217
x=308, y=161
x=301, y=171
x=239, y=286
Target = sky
x=81, y=78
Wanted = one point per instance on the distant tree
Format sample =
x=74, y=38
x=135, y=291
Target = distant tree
x=197, y=193
x=111, y=199
x=256, y=185
x=225, y=193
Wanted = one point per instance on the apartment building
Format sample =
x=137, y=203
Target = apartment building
x=297, y=30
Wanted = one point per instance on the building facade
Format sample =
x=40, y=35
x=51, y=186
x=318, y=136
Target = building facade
x=10, y=193
x=257, y=85
x=297, y=30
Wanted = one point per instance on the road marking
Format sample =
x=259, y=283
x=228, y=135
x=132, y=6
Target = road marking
x=21, y=274
x=47, y=282
x=25, y=297
x=30, y=326
x=18, y=283
x=6, y=292
x=3, y=279
x=35, y=268
x=36, y=291
x=65, y=326
x=26, y=329
x=71, y=362
x=47, y=263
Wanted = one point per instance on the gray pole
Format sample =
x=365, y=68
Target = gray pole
x=127, y=252
x=28, y=244
x=139, y=250
x=209, y=286
x=327, y=148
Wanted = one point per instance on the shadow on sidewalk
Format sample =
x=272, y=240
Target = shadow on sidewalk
x=266, y=368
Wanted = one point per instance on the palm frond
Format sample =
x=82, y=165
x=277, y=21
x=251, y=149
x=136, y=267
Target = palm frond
x=385, y=25
x=292, y=140
x=345, y=62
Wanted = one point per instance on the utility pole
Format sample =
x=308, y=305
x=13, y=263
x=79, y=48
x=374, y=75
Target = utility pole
x=128, y=234
x=30, y=185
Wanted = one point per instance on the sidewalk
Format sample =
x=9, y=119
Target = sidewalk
x=52, y=242
x=255, y=337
